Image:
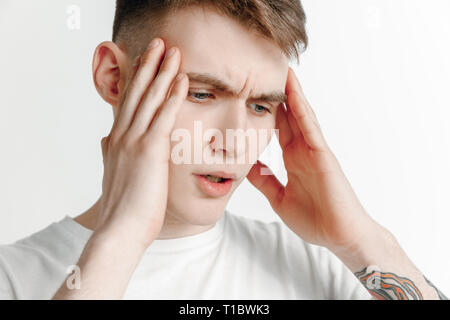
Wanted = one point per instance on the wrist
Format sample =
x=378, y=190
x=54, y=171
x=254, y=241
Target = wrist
x=118, y=239
x=124, y=228
x=371, y=243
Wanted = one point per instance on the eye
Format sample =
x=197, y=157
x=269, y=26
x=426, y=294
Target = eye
x=202, y=96
x=260, y=109
x=198, y=95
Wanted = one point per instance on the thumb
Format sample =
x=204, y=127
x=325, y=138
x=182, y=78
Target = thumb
x=265, y=181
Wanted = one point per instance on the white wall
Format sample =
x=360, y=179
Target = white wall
x=376, y=73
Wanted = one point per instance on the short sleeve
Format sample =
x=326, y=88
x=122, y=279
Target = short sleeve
x=6, y=291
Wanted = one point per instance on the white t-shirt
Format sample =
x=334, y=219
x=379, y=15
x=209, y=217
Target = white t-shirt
x=239, y=258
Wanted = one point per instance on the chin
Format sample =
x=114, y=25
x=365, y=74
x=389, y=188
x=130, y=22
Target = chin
x=199, y=211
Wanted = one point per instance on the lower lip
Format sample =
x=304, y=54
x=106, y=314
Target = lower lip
x=214, y=189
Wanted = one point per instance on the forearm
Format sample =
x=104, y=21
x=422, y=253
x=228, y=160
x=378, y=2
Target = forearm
x=384, y=269
x=106, y=266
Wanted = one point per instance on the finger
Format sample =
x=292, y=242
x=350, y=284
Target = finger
x=311, y=112
x=268, y=184
x=292, y=122
x=282, y=124
x=310, y=131
x=293, y=126
x=156, y=93
x=293, y=84
x=163, y=122
x=308, y=107
x=119, y=118
x=303, y=113
x=145, y=74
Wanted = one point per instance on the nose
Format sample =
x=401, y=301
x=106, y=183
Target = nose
x=233, y=122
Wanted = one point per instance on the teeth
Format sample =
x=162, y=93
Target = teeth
x=213, y=178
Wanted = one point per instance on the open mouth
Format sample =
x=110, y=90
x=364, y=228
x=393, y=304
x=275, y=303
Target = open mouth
x=215, y=179
x=214, y=185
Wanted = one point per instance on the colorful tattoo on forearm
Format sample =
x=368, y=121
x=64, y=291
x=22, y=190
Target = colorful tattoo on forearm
x=440, y=294
x=389, y=286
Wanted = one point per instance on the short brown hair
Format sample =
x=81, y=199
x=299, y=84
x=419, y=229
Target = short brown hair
x=281, y=21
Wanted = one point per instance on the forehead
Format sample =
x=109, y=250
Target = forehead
x=215, y=44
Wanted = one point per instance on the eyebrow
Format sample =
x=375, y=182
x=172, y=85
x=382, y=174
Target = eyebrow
x=220, y=85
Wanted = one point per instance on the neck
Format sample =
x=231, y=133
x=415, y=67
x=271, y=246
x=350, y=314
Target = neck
x=88, y=219
x=172, y=227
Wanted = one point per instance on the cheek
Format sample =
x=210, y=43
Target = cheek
x=191, y=116
x=187, y=115
x=265, y=129
x=180, y=121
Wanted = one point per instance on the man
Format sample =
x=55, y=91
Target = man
x=160, y=229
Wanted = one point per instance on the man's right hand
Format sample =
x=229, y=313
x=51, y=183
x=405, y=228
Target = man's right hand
x=136, y=157
x=136, y=153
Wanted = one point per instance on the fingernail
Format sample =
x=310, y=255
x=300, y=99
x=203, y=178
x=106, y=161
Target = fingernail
x=153, y=44
x=179, y=76
x=171, y=52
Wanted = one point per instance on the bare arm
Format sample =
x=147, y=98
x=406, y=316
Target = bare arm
x=385, y=270
x=319, y=205
x=106, y=266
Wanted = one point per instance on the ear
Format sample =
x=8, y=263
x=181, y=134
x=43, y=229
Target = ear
x=109, y=68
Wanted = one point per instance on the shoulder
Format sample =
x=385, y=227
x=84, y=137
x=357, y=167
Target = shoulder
x=52, y=241
x=38, y=260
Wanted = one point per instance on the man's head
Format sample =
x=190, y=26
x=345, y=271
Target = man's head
x=282, y=22
x=246, y=45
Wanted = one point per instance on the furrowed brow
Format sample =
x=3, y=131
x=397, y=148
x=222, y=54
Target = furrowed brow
x=211, y=80
x=273, y=97
x=218, y=84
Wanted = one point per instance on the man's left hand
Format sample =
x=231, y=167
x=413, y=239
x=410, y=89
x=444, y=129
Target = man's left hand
x=318, y=203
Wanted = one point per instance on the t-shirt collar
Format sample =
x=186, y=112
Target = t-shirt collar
x=158, y=245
